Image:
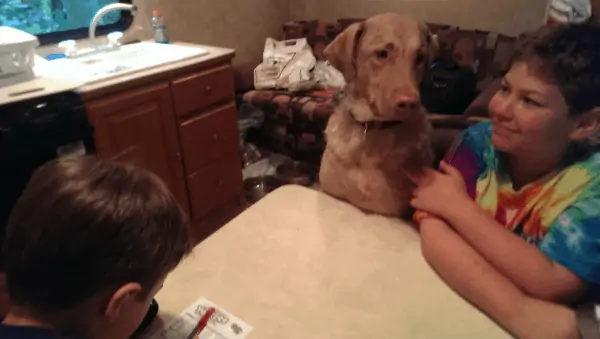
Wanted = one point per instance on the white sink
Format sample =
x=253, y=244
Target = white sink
x=124, y=61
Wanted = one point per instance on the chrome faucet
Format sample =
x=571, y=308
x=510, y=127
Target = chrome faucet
x=102, y=12
x=70, y=47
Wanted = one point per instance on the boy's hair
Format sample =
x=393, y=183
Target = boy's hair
x=84, y=227
x=568, y=56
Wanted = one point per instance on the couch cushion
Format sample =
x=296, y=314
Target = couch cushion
x=503, y=51
x=317, y=104
x=319, y=33
x=294, y=122
x=488, y=54
x=479, y=107
x=276, y=134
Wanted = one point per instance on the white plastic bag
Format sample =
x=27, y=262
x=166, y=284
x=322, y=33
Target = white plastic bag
x=569, y=11
x=327, y=76
x=286, y=65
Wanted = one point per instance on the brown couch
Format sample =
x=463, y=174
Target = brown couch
x=294, y=122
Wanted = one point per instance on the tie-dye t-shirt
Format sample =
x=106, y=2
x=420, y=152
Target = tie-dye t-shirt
x=560, y=214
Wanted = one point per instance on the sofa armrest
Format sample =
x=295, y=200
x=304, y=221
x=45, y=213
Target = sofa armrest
x=454, y=121
x=448, y=121
x=475, y=120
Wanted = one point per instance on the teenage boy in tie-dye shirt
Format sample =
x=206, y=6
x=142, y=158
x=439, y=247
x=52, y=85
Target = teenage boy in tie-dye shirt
x=512, y=219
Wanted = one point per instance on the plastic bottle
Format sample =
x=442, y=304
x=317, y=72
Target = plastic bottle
x=159, y=27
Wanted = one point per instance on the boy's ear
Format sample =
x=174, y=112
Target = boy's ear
x=587, y=125
x=120, y=299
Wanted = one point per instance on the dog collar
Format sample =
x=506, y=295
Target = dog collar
x=370, y=125
x=375, y=124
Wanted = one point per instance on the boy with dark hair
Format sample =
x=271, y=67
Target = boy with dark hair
x=88, y=245
x=516, y=226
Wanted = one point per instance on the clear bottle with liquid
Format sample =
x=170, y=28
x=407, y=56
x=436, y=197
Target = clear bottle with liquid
x=159, y=27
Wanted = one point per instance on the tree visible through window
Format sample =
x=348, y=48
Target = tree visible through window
x=51, y=16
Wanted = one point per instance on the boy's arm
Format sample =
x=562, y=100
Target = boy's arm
x=519, y=261
x=522, y=263
x=465, y=271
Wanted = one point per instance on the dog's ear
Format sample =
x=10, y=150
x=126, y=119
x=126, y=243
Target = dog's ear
x=342, y=52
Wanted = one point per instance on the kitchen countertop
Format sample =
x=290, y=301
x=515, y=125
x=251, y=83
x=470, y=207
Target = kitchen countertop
x=300, y=264
x=214, y=53
x=35, y=88
x=46, y=84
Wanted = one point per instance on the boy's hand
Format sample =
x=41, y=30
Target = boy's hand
x=438, y=192
x=534, y=319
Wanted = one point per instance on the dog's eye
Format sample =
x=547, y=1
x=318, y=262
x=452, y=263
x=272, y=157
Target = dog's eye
x=382, y=54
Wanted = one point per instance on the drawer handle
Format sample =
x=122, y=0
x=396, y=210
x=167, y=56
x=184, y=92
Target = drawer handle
x=215, y=137
x=221, y=182
x=208, y=89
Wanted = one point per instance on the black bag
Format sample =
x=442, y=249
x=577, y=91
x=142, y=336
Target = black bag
x=448, y=88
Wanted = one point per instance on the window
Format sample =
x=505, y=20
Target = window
x=55, y=20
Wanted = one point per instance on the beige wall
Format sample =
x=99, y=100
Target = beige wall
x=244, y=24
x=239, y=24
x=503, y=16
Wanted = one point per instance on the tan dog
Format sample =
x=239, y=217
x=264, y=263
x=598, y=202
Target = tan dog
x=378, y=132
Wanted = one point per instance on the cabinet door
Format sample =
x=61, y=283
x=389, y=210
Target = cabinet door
x=139, y=126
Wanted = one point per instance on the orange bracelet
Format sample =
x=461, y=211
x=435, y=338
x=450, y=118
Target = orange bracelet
x=421, y=215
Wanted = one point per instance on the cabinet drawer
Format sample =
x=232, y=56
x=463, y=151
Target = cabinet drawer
x=201, y=90
x=207, y=137
x=215, y=184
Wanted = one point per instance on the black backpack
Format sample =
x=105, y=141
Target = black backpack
x=448, y=88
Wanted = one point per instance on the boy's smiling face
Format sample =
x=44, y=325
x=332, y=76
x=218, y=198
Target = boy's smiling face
x=528, y=114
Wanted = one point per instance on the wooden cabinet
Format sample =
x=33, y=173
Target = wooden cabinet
x=214, y=184
x=207, y=137
x=203, y=89
x=182, y=127
x=138, y=126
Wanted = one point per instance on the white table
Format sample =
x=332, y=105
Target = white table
x=300, y=264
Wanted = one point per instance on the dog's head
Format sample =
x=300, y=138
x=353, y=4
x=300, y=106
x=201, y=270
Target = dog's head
x=383, y=59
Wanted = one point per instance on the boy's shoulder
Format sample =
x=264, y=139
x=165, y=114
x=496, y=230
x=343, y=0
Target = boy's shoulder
x=23, y=332
x=587, y=167
x=592, y=162
x=479, y=134
x=478, y=139
x=588, y=170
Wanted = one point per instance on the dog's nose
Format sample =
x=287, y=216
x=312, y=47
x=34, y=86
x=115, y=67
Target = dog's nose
x=407, y=103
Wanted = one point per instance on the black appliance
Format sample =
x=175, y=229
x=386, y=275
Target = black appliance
x=33, y=132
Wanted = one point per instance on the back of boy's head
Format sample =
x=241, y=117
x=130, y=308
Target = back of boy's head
x=83, y=227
